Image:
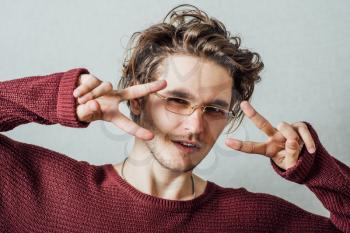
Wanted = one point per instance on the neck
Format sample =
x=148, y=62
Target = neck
x=146, y=174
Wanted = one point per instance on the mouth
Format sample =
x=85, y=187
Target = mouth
x=187, y=147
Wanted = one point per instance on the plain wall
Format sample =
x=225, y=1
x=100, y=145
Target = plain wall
x=304, y=45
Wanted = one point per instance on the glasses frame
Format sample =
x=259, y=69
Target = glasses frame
x=229, y=114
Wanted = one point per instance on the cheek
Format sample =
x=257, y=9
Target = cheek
x=213, y=131
x=161, y=119
x=212, y=134
x=166, y=121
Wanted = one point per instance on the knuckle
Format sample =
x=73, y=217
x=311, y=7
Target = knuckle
x=90, y=80
x=254, y=114
x=106, y=86
x=83, y=77
x=300, y=125
x=87, y=78
x=251, y=147
x=83, y=88
x=263, y=124
x=92, y=77
x=281, y=125
x=109, y=85
x=95, y=81
x=303, y=125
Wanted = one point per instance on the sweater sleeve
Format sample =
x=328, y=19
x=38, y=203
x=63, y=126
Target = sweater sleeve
x=326, y=177
x=42, y=99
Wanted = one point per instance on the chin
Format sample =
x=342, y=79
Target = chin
x=177, y=166
x=174, y=161
x=169, y=156
x=178, y=162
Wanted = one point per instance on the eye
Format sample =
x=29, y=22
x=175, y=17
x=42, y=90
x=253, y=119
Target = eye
x=173, y=100
x=215, y=111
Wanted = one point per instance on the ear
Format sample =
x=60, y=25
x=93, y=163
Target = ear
x=135, y=106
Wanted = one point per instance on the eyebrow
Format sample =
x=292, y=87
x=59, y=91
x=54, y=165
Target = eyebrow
x=186, y=95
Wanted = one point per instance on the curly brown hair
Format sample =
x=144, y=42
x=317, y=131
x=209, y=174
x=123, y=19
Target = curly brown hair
x=191, y=31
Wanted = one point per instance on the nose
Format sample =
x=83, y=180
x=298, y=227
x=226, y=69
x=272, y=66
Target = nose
x=194, y=123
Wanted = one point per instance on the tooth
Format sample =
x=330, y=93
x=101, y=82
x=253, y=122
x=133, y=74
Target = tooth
x=186, y=144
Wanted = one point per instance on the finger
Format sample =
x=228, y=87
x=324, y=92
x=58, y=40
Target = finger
x=132, y=128
x=283, y=160
x=89, y=112
x=306, y=136
x=292, y=151
x=100, y=90
x=141, y=90
x=247, y=146
x=258, y=119
x=87, y=83
x=293, y=140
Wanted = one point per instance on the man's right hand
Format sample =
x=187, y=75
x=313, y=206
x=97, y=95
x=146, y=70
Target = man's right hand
x=98, y=101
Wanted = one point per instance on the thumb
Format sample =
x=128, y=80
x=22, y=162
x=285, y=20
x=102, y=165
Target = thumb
x=90, y=111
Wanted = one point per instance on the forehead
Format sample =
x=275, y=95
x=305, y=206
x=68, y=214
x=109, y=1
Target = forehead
x=202, y=78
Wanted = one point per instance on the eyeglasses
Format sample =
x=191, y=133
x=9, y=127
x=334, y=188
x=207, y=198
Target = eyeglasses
x=184, y=107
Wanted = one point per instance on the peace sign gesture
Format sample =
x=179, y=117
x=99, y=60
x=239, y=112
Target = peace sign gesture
x=98, y=101
x=284, y=142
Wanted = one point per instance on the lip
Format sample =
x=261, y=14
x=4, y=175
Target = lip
x=189, y=142
x=184, y=149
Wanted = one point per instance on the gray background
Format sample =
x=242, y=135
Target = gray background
x=304, y=45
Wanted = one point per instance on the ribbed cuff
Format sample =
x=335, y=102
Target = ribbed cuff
x=300, y=172
x=66, y=102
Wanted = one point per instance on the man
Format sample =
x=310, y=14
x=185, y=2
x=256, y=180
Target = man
x=184, y=82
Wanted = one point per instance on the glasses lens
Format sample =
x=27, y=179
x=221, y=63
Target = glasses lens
x=178, y=105
x=216, y=113
x=183, y=107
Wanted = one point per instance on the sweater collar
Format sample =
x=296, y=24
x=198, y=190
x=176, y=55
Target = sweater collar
x=113, y=179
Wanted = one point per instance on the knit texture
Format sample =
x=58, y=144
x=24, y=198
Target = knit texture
x=45, y=191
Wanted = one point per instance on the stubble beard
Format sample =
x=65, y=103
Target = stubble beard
x=155, y=144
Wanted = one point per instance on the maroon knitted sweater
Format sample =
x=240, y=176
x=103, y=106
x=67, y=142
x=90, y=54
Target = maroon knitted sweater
x=45, y=191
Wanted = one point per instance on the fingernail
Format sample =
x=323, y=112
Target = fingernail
x=76, y=93
x=232, y=143
x=147, y=134
x=312, y=150
x=160, y=81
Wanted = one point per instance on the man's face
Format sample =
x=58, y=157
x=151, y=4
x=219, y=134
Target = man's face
x=205, y=83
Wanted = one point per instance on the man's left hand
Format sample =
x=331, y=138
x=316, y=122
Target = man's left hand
x=284, y=143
